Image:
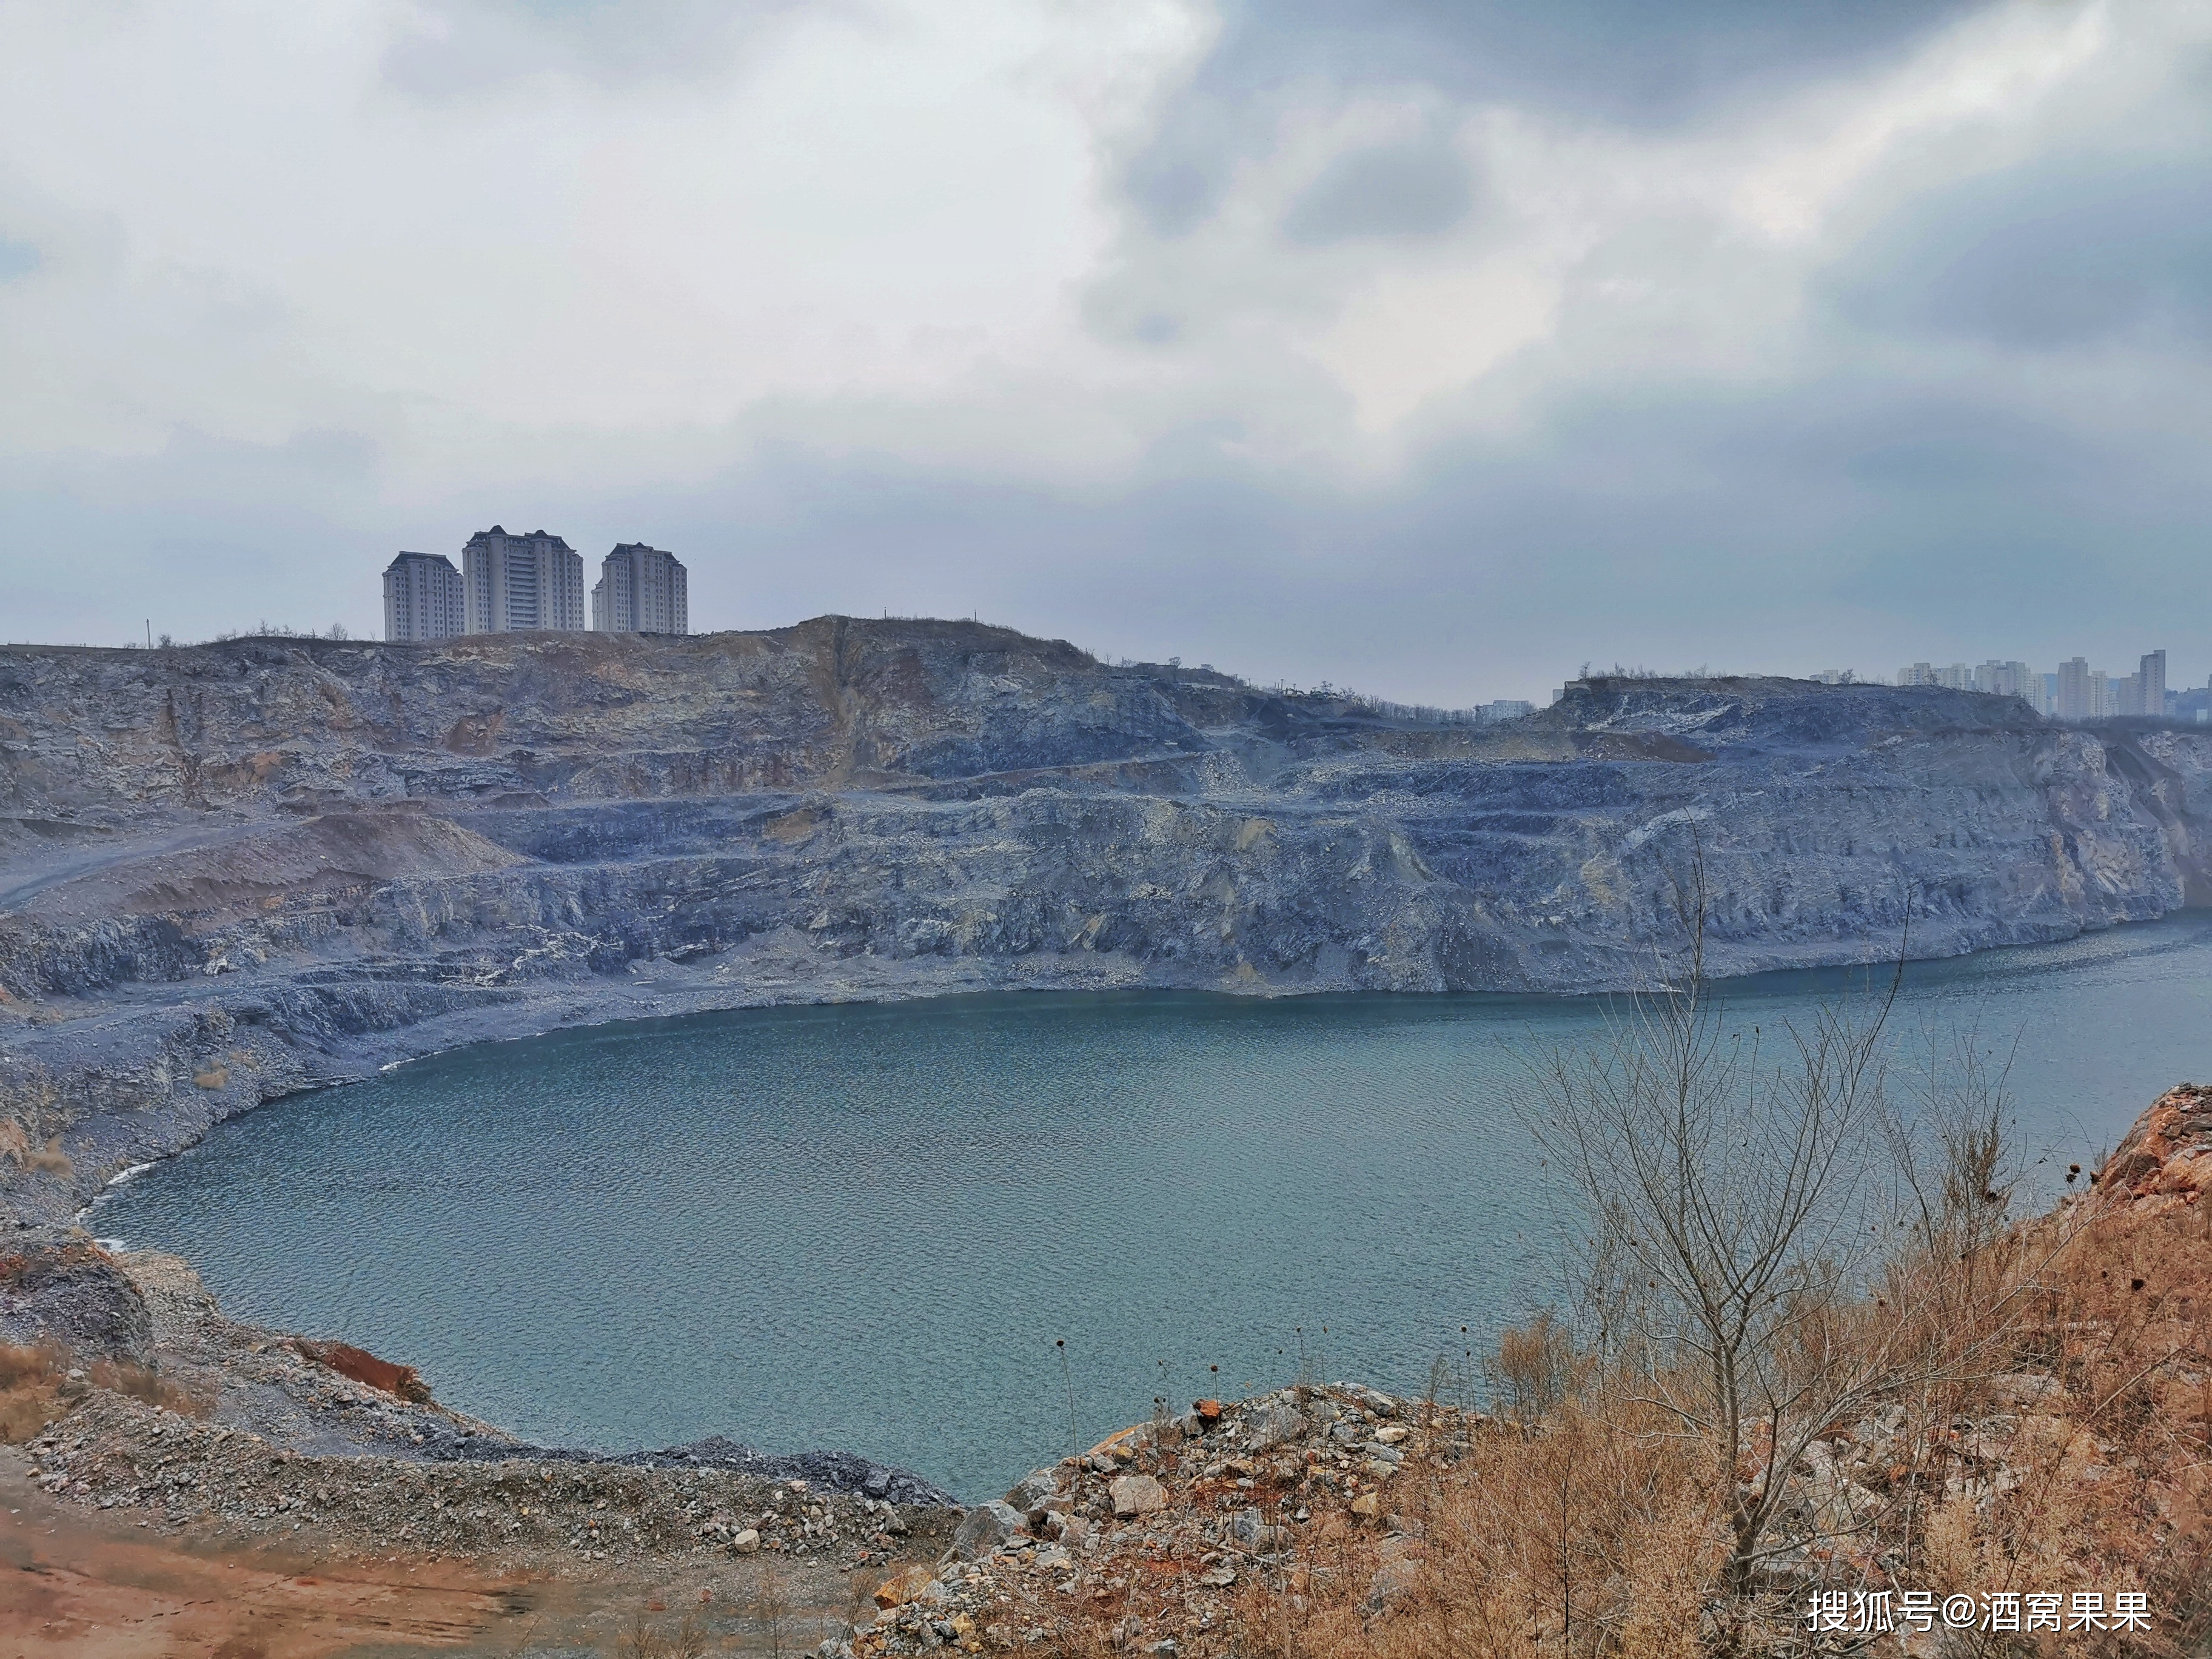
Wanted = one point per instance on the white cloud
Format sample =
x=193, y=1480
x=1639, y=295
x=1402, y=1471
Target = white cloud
x=262, y=233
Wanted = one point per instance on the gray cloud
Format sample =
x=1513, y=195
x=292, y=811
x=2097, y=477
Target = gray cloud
x=1621, y=60
x=1415, y=189
x=1625, y=61
x=1436, y=404
x=2057, y=252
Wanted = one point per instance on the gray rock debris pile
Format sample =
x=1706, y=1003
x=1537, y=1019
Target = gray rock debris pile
x=1157, y=1530
x=182, y=1471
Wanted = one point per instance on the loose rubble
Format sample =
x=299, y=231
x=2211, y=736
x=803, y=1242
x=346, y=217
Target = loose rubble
x=118, y=1453
x=1160, y=1530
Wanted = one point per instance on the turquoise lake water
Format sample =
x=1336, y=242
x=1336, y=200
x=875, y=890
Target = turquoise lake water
x=866, y=1226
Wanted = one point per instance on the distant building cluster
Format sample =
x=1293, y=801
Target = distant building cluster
x=2075, y=692
x=509, y=583
x=1505, y=708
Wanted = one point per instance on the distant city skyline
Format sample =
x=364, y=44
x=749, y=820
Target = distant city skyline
x=2074, y=690
x=644, y=589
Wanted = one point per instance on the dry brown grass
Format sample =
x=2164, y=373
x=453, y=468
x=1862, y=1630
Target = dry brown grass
x=2107, y=1483
x=31, y=1377
x=145, y=1384
x=647, y=1638
x=1608, y=1541
x=36, y=1388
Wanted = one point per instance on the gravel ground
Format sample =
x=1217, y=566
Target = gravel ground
x=527, y=1513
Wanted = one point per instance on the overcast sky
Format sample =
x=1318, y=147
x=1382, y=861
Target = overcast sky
x=1432, y=347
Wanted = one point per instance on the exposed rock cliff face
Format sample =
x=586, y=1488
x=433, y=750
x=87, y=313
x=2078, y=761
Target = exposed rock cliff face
x=232, y=870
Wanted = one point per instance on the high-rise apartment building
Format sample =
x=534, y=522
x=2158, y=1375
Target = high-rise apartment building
x=1919, y=673
x=640, y=590
x=422, y=597
x=2150, y=682
x=2007, y=679
x=2074, y=690
x=516, y=583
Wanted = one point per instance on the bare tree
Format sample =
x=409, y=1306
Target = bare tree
x=1745, y=1212
x=1726, y=1174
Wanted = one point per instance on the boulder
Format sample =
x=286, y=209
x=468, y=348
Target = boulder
x=1272, y=1426
x=902, y=1587
x=1397, y=1573
x=984, y=1530
x=1031, y=1491
x=1049, y=1524
x=1137, y=1494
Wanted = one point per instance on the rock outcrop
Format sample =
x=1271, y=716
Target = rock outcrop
x=67, y=1292
x=231, y=870
x=2166, y=1160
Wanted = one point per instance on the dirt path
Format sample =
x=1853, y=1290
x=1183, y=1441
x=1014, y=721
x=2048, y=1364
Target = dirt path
x=81, y=1583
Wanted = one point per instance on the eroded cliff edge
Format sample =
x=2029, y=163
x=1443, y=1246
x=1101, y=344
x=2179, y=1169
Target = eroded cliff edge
x=231, y=871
